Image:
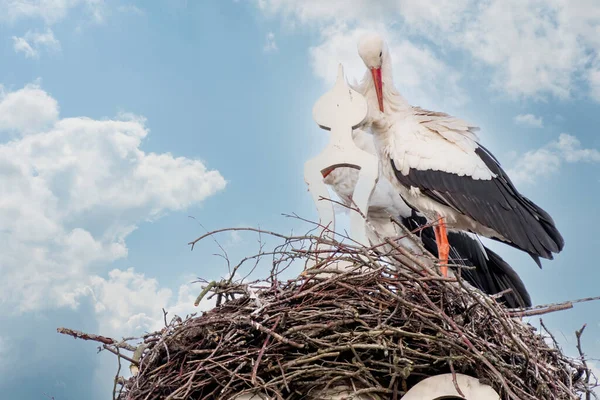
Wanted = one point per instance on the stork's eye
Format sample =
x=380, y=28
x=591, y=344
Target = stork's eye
x=380, y=53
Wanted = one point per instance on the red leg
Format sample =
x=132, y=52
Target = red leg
x=441, y=238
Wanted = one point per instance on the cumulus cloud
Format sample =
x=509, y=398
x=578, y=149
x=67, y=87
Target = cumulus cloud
x=593, y=77
x=418, y=73
x=570, y=149
x=324, y=12
x=73, y=189
x=34, y=42
x=529, y=119
x=129, y=303
x=533, y=165
x=27, y=110
x=534, y=47
x=548, y=159
x=532, y=50
x=270, y=44
x=50, y=11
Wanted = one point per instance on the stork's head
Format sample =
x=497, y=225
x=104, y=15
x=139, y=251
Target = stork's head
x=373, y=51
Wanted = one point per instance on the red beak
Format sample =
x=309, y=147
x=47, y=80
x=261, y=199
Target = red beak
x=376, y=72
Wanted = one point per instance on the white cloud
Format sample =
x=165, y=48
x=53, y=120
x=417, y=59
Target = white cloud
x=529, y=119
x=534, y=47
x=234, y=239
x=570, y=148
x=594, y=81
x=27, y=110
x=73, y=189
x=325, y=12
x=548, y=159
x=22, y=46
x=129, y=303
x=131, y=9
x=51, y=11
x=593, y=77
x=33, y=42
x=270, y=44
x=533, y=165
x=532, y=51
x=419, y=74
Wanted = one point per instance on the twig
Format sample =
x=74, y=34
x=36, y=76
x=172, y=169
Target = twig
x=117, y=375
x=115, y=351
x=96, y=338
x=454, y=381
x=193, y=242
x=224, y=255
x=260, y=354
x=387, y=318
x=204, y=292
x=165, y=317
x=275, y=335
x=583, y=360
x=541, y=311
x=566, y=304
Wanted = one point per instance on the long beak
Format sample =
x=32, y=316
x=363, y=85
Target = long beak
x=376, y=72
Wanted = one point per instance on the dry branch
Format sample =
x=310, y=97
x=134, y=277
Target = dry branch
x=380, y=327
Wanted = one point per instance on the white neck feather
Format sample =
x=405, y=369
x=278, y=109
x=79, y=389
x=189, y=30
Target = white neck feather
x=393, y=102
x=394, y=106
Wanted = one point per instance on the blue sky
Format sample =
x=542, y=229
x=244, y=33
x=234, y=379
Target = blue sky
x=119, y=120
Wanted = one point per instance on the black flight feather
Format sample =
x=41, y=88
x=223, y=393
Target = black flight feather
x=494, y=203
x=491, y=274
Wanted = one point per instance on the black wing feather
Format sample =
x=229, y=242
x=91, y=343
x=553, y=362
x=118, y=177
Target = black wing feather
x=491, y=275
x=494, y=203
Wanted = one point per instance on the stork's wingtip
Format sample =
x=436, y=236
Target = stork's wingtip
x=537, y=260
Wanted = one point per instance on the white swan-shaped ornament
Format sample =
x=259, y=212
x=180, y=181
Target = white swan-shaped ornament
x=340, y=111
x=436, y=387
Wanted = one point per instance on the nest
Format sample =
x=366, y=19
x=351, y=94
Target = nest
x=378, y=327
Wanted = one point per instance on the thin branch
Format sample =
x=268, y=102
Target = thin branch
x=583, y=360
x=96, y=338
x=115, y=397
x=387, y=316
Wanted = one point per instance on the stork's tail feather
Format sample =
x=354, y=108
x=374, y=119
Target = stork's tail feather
x=509, y=279
x=491, y=274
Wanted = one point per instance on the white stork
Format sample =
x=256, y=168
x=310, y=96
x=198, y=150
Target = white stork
x=491, y=274
x=439, y=168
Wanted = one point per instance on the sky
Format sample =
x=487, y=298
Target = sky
x=128, y=129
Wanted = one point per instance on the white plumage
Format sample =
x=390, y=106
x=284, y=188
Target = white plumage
x=435, y=162
x=385, y=201
x=492, y=274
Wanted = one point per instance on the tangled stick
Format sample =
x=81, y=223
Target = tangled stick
x=380, y=327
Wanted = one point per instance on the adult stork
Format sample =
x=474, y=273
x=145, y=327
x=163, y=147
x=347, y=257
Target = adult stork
x=438, y=166
x=489, y=272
